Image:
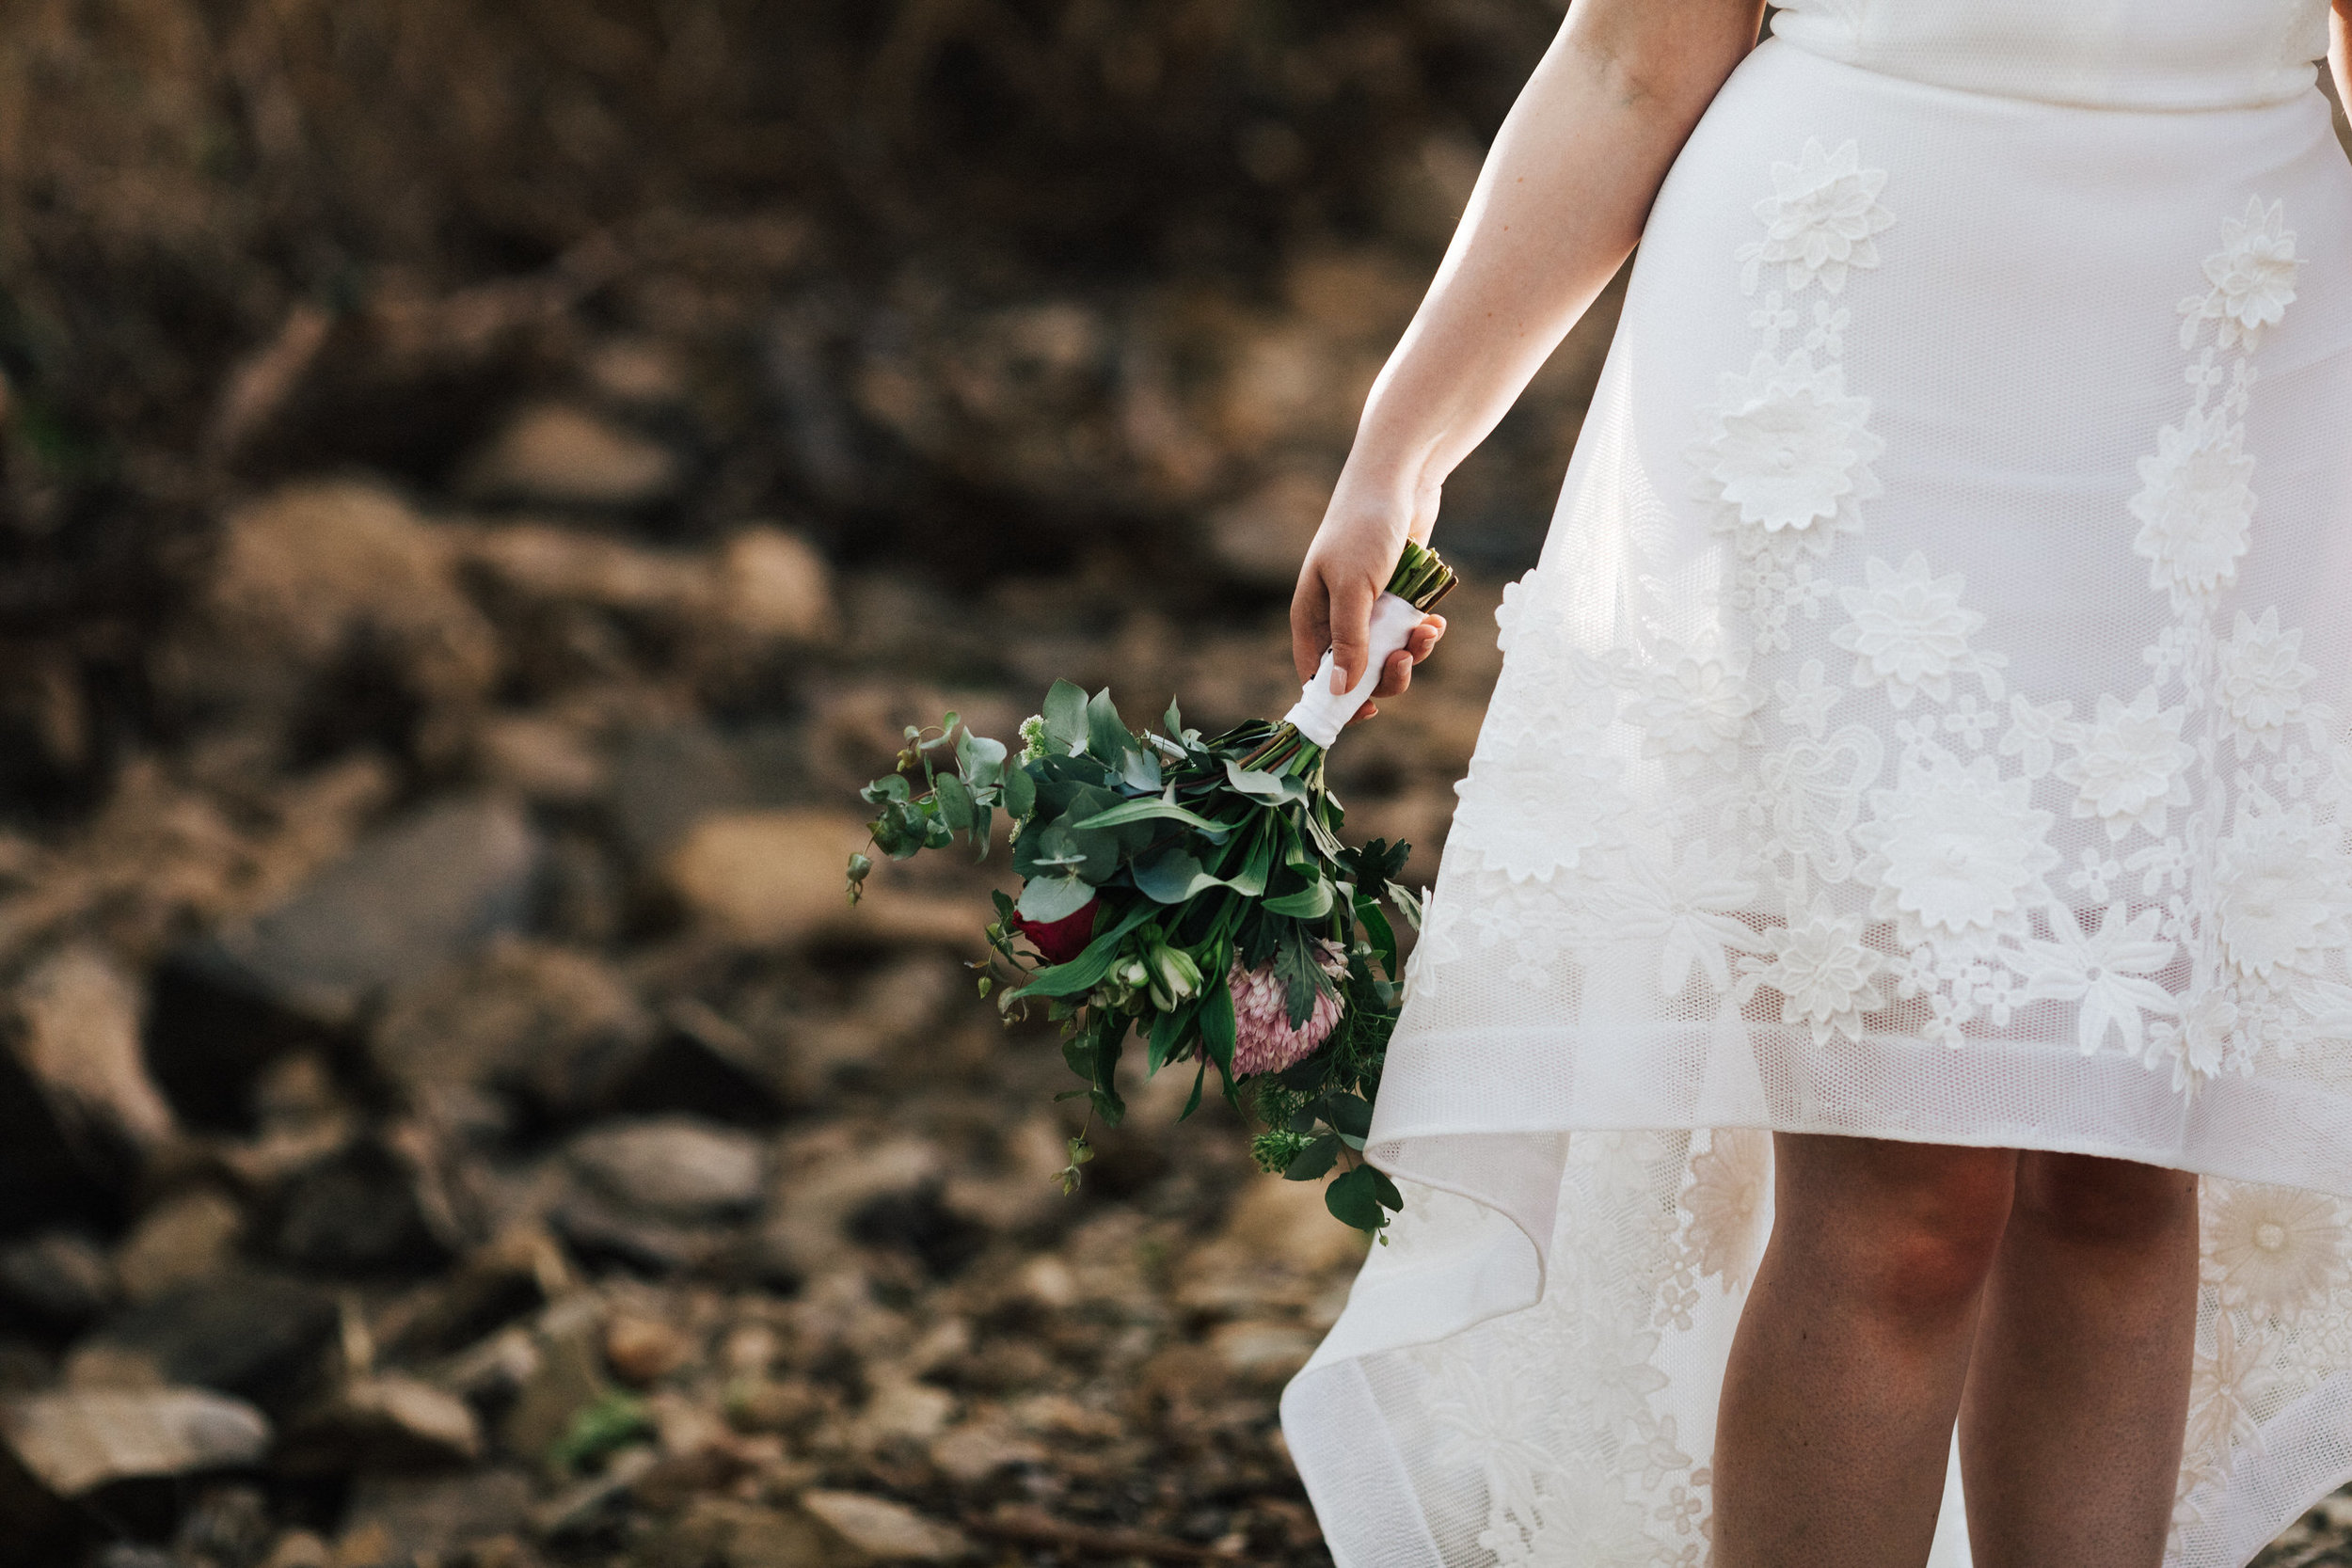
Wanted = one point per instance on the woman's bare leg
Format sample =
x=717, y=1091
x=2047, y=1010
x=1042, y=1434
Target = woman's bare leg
x=2083, y=1349
x=1849, y=1364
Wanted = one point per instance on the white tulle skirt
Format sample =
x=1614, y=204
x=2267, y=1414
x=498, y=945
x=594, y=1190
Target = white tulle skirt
x=1929, y=719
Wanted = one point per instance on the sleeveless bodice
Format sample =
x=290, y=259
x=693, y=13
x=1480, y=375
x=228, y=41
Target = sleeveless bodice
x=2099, y=53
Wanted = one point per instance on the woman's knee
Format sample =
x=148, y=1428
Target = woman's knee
x=2100, y=1202
x=1910, y=1229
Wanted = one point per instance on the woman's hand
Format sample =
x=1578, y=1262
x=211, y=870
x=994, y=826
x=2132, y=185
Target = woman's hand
x=1346, y=566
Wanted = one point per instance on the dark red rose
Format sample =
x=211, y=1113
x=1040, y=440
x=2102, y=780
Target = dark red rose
x=1061, y=941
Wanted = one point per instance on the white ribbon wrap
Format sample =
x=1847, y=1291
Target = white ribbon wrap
x=1321, y=713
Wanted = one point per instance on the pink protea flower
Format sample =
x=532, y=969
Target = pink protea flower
x=1263, y=1041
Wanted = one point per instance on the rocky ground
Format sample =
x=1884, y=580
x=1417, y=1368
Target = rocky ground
x=481, y=484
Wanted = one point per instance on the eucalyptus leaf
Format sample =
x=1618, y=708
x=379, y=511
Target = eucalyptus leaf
x=1265, y=786
x=1354, y=1198
x=1348, y=1113
x=1046, y=899
x=1314, y=1161
x=1066, y=717
x=980, y=759
x=1172, y=877
x=1107, y=736
x=1140, y=770
x=954, y=801
x=1079, y=850
x=1020, y=793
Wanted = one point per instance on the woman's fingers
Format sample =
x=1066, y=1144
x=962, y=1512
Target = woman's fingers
x=1310, y=621
x=1351, y=633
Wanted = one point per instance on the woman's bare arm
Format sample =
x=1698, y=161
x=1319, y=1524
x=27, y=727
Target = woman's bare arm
x=1559, y=205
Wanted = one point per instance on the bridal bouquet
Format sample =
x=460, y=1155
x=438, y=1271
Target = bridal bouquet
x=1192, y=893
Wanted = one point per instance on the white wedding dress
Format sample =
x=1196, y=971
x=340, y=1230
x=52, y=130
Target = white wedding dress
x=1930, y=719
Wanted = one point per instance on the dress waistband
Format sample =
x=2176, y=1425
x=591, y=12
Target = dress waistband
x=2074, y=55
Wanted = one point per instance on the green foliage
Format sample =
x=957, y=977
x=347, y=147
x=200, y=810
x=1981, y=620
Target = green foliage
x=1197, y=855
x=612, y=1422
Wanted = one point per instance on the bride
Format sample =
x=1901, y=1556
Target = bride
x=1885, y=1011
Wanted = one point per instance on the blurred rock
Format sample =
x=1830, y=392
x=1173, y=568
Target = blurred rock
x=188, y=1237
x=79, y=1440
x=360, y=1211
x=642, y=1351
x=665, y=781
x=555, y=1025
x=260, y=1336
x=564, y=1377
x=830, y=1177
x=568, y=456
x=704, y=1064
x=77, y=1032
x=538, y=756
x=779, y=878
x=78, y=1112
x=674, y=1167
x=60, y=1278
x=774, y=586
x=971, y=1452
x=594, y=1504
x=1263, y=1352
x=316, y=574
x=387, y=1421
x=885, y=1530
x=723, y=1532
x=900, y=1408
x=397, y=1521
x=410, y=901
x=604, y=1234
x=228, y=1525
x=515, y=1273
x=643, y=370
x=299, y=1548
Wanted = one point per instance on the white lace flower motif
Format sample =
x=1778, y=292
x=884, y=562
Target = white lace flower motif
x=1496, y=1424
x=2283, y=893
x=2035, y=734
x=1816, y=788
x=2202, y=1042
x=2195, y=505
x=1806, y=702
x=2130, y=765
x=1531, y=808
x=2275, y=1250
x=2104, y=972
x=1909, y=632
x=2259, y=674
x=1785, y=449
x=1956, y=852
x=1820, y=219
x=1690, y=908
x=1731, y=1186
x=2224, y=1384
x=2253, y=277
x=1694, y=706
x=1824, y=972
